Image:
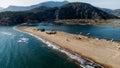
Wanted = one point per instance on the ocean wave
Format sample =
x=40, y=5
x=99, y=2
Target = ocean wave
x=23, y=39
x=7, y=33
x=83, y=62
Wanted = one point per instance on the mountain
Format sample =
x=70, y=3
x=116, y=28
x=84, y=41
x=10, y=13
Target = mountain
x=1, y=8
x=15, y=8
x=23, y=8
x=68, y=11
x=115, y=12
x=52, y=4
x=76, y=10
x=106, y=10
x=81, y=11
x=39, y=9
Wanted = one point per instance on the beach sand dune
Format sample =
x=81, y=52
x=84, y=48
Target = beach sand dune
x=99, y=50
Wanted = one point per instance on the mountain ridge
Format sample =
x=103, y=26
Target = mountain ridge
x=115, y=12
x=79, y=10
x=74, y=10
x=25, y=8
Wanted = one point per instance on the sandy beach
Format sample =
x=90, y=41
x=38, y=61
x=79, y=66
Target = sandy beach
x=100, y=51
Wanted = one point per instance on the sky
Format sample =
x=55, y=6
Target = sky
x=111, y=4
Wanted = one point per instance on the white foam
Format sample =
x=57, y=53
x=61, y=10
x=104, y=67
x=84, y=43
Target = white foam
x=73, y=56
x=6, y=33
x=23, y=39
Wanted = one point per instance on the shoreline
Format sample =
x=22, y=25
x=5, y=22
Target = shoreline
x=70, y=54
x=95, y=22
x=30, y=30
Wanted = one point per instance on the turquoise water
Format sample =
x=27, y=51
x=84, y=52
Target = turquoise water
x=20, y=50
x=106, y=32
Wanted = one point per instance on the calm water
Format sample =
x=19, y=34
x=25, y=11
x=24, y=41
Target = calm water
x=19, y=50
x=106, y=32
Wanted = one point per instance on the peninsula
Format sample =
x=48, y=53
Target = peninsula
x=104, y=52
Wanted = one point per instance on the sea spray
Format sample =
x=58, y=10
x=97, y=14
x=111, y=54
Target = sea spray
x=84, y=62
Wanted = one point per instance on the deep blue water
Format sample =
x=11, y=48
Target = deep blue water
x=106, y=32
x=20, y=50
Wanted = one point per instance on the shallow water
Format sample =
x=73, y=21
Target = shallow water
x=20, y=50
x=106, y=32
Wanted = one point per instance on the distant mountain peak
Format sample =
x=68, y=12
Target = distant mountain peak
x=77, y=4
x=24, y=8
x=115, y=12
x=1, y=8
x=54, y=3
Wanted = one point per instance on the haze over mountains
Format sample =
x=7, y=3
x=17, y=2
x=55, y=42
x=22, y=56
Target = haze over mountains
x=52, y=11
x=1, y=8
x=24, y=8
x=115, y=12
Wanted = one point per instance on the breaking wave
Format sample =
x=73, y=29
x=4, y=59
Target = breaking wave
x=23, y=40
x=7, y=33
